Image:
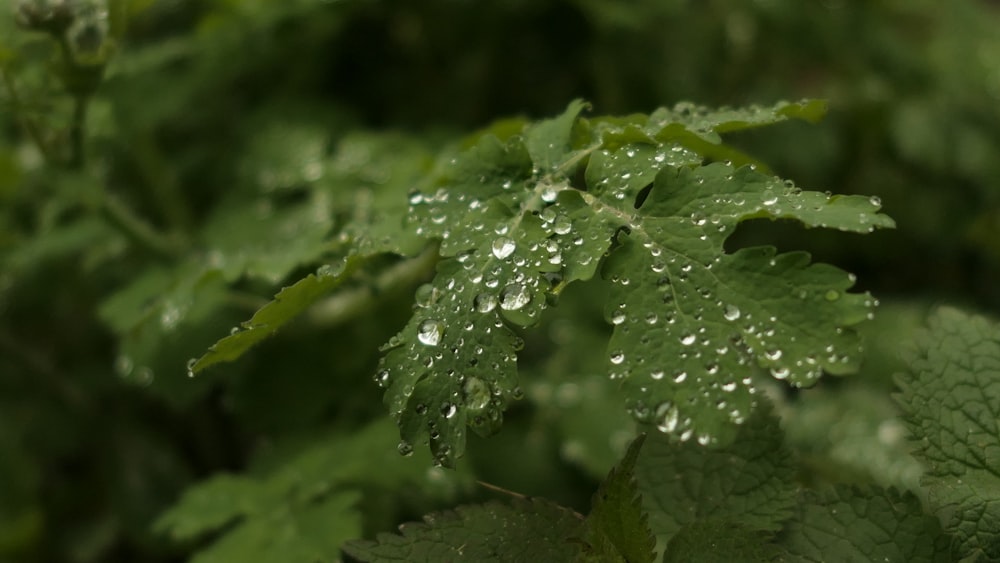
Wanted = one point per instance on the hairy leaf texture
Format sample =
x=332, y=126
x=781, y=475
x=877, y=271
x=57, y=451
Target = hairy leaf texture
x=951, y=401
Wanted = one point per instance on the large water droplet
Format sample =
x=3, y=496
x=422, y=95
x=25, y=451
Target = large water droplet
x=668, y=415
x=514, y=297
x=731, y=313
x=503, y=247
x=485, y=302
x=477, y=393
x=688, y=339
x=430, y=332
x=773, y=355
x=617, y=357
x=448, y=410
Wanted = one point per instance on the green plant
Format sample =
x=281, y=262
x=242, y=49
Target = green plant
x=563, y=287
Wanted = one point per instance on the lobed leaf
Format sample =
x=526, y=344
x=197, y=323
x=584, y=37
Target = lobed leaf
x=870, y=524
x=525, y=530
x=951, y=400
x=518, y=220
x=303, y=510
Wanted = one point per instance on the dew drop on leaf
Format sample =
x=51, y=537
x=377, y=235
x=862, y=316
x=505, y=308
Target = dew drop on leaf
x=514, y=297
x=618, y=317
x=688, y=339
x=405, y=448
x=503, y=247
x=731, y=313
x=617, y=357
x=780, y=373
x=668, y=416
x=832, y=295
x=773, y=355
x=477, y=393
x=430, y=332
x=485, y=302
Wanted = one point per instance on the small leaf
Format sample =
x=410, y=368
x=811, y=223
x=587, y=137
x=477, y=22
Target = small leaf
x=287, y=304
x=752, y=481
x=616, y=528
x=525, y=530
x=548, y=142
x=870, y=524
x=951, y=399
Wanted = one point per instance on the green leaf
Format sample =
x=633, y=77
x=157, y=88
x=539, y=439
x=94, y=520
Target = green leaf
x=302, y=510
x=516, y=225
x=258, y=241
x=548, y=142
x=616, y=528
x=752, y=481
x=951, y=399
x=718, y=541
x=685, y=343
x=525, y=530
x=311, y=533
x=869, y=524
x=286, y=306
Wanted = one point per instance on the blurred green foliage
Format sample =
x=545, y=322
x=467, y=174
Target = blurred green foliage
x=141, y=184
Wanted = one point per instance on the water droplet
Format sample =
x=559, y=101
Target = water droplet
x=430, y=332
x=485, y=302
x=562, y=226
x=688, y=339
x=875, y=200
x=514, y=297
x=618, y=317
x=668, y=415
x=780, y=373
x=448, y=410
x=549, y=194
x=832, y=295
x=770, y=200
x=657, y=375
x=477, y=393
x=382, y=377
x=729, y=386
x=773, y=355
x=680, y=377
x=617, y=357
x=503, y=247
x=731, y=313
x=405, y=448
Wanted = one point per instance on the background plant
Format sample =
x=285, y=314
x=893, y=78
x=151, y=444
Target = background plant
x=231, y=149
